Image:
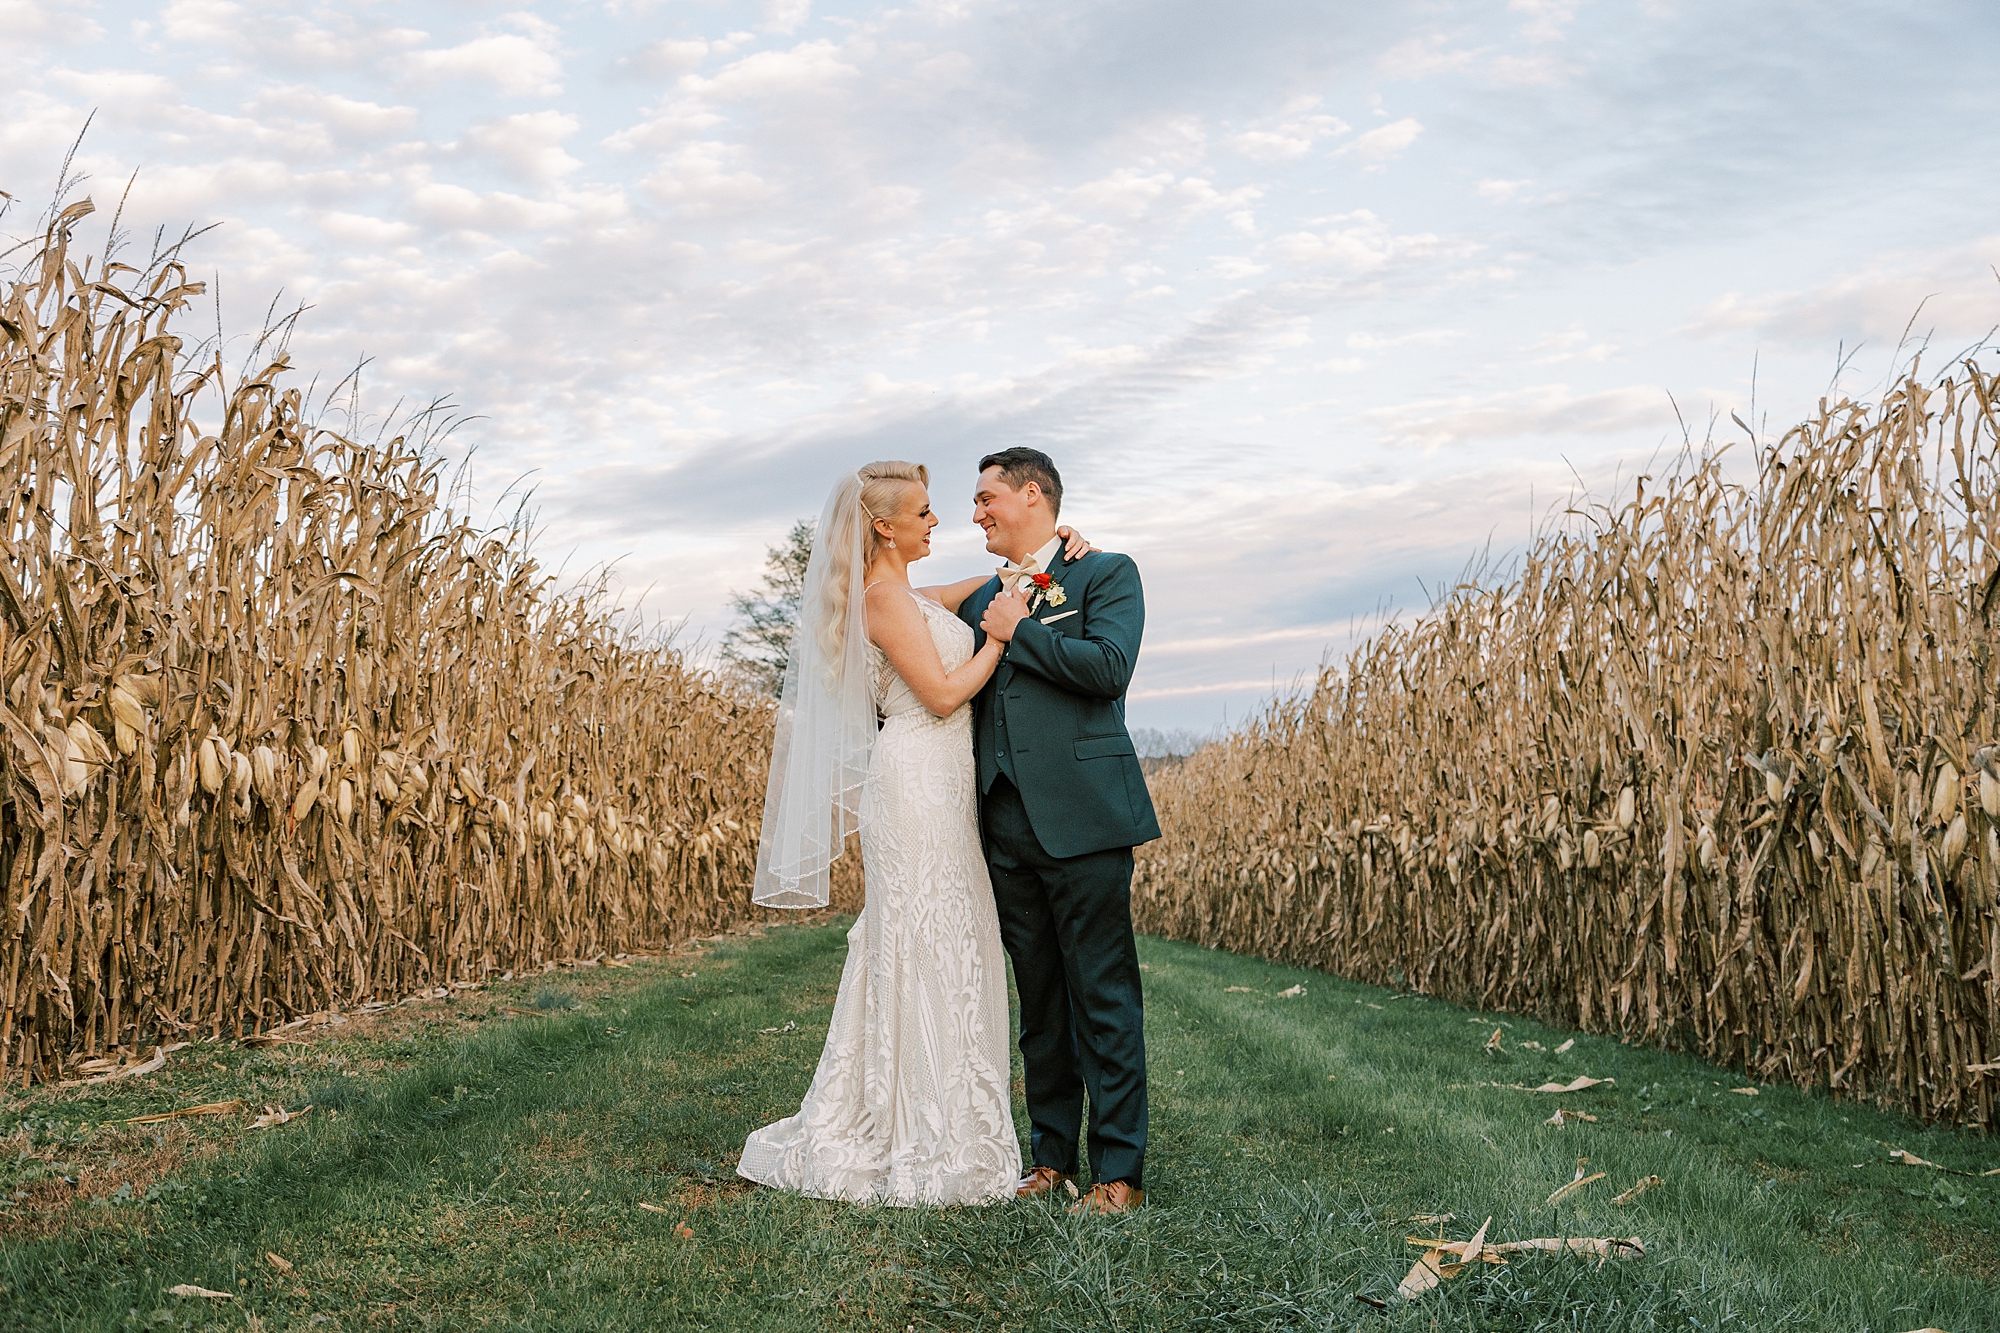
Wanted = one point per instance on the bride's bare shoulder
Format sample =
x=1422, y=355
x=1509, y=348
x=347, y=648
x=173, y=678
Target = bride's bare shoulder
x=890, y=595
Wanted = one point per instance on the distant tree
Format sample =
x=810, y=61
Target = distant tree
x=757, y=648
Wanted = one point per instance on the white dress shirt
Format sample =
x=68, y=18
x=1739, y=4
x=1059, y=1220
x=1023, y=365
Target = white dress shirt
x=1013, y=576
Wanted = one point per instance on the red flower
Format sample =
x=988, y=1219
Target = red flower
x=1042, y=581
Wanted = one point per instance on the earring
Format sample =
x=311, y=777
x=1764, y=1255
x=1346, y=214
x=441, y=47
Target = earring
x=892, y=543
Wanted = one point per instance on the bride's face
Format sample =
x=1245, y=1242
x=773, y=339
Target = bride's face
x=911, y=529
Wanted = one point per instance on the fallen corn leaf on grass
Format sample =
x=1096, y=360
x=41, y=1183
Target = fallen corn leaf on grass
x=1717, y=768
x=543, y=1173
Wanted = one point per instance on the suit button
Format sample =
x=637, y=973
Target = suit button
x=999, y=721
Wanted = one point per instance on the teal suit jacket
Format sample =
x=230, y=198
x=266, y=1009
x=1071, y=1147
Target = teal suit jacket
x=1055, y=708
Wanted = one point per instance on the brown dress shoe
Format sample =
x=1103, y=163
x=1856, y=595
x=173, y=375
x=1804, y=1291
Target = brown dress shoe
x=1042, y=1180
x=1114, y=1197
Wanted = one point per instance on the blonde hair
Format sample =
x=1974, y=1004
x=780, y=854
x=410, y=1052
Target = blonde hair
x=874, y=491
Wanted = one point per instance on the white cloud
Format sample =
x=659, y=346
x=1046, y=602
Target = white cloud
x=784, y=17
x=1501, y=189
x=1572, y=344
x=1235, y=267
x=342, y=117
x=1423, y=57
x=1955, y=292
x=1384, y=142
x=361, y=230
x=511, y=63
x=666, y=58
x=1291, y=133
x=1529, y=71
x=1543, y=410
x=528, y=145
x=27, y=21
x=1546, y=18
x=807, y=69
x=443, y=204
x=1357, y=241
x=1171, y=142
x=698, y=178
x=1375, y=342
x=203, y=22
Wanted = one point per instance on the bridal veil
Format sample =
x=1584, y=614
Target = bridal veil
x=826, y=718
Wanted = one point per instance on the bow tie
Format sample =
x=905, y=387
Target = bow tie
x=1012, y=576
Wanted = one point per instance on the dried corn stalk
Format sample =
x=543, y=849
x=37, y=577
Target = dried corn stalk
x=270, y=706
x=1714, y=769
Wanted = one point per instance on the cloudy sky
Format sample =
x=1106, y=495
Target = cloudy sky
x=1311, y=301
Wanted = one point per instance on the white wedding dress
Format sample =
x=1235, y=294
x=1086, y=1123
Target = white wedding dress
x=910, y=1104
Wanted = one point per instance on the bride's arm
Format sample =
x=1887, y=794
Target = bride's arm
x=898, y=628
x=953, y=595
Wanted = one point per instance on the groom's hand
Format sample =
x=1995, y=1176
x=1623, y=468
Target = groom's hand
x=1003, y=613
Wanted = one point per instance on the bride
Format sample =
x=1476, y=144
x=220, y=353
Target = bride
x=910, y=1104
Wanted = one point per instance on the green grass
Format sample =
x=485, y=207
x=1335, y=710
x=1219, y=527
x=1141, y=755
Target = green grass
x=483, y=1170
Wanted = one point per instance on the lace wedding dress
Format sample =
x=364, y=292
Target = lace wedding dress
x=910, y=1104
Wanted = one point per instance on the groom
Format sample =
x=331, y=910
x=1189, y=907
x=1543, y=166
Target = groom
x=1062, y=804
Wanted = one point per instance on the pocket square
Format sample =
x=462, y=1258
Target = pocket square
x=1053, y=619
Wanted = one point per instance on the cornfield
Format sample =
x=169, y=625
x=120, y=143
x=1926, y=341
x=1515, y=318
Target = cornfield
x=1715, y=769
x=282, y=730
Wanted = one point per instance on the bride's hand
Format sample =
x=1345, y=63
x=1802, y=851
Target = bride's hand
x=1075, y=544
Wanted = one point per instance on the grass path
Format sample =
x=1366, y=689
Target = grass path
x=485, y=1170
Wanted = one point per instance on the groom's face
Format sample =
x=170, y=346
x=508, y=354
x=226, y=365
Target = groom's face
x=1005, y=513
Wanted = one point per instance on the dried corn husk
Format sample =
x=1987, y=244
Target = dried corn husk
x=96, y=750
x=211, y=767
x=1954, y=843
x=307, y=797
x=242, y=776
x=1944, y=797
x=128, y=719
x=264, y=774
x=76, y=766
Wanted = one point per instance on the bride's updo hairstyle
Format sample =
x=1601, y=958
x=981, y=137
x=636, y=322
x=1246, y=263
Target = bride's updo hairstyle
x=876, y=490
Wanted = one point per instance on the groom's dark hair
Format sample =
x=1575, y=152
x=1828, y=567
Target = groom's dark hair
x=1018, y=467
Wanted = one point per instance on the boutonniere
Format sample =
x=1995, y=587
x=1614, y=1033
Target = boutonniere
x=1047, y=590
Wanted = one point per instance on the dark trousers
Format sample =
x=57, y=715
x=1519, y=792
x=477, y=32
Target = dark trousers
x=1067, y=925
